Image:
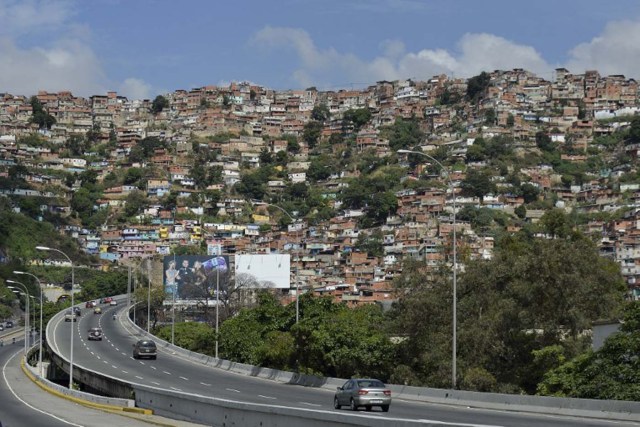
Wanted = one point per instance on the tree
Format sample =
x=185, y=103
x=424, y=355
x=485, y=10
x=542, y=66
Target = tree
x=634, y=131
x=612, y=372
x=39, y=115
x=533, y=294
x=477, y=86
x=371, y=243
x=477, y=184
x=135, y=202
x=159, y=104
x=320, y=113
x=544, y=142
x=404, y=134
x=356, y=118
x=312, y=132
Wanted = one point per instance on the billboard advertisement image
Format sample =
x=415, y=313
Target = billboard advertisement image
x=194, y=277
x=263, y=271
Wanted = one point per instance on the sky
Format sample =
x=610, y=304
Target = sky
x=143, y=48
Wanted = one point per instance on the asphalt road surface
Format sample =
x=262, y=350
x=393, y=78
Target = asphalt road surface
x=113, y=356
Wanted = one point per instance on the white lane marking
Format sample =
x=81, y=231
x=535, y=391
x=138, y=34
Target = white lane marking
x=139, y=377
x=114, y=366
x=309, y=404
x=4, y=375
x=155, y=383
x=141, y=362
x=183, y=378
x=104, y=361
x=98, y=357
x=233, y=390
x=176, y=389
x=125, y=372
x=153, y=367
x=168, y=373
x=208, y=385
x=267, y=397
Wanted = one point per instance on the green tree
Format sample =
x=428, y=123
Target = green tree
x=320, y=113
x=312, y=132
x=533, y=294
x=371, y=243
x=477, y=184
x=404, y=134
x=356, y=118
x=477, y=86
x=159, y=104
x=612, y=372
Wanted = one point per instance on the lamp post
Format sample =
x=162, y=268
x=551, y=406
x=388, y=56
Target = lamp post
x=46, y=248
x=296, y=276
x=17, y=291
x=41, y=301
x=148, y=294
x=455, y=263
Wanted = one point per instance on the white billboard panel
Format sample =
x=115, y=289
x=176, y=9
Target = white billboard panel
x=263, y=271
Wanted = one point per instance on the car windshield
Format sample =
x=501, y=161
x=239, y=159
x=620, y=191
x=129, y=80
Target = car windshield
x=370, y=384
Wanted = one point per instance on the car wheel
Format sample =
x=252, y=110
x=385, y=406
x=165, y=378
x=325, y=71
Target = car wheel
x=385, y=408
x=352, y=405
x=336, y=405
x=135, y=356
x=154, y=357
x=367, y=408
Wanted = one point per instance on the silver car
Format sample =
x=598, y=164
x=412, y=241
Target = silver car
x=365, y=392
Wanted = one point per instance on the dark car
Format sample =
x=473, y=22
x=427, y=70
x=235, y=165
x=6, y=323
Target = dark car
x=144, y=348
x=8, y=324
x=95, y=334
x=77, y=311
x=365, y=392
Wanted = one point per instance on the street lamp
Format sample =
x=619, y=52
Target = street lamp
x=17, y=291
x=455, y=261
x=41, y=301
x=46, y=248
x=296, y=276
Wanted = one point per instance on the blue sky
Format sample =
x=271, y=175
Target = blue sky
x=142, y=48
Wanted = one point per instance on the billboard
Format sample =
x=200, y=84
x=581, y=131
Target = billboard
x=194, y=277
x=263, y=271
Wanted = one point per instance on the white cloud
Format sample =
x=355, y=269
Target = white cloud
x=477, y=52
x=66, y=61
x=615, y=51
x=67, y=65
x=134, y=88
x=22, y=16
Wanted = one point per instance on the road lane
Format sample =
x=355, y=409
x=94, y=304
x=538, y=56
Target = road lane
x=113, y=357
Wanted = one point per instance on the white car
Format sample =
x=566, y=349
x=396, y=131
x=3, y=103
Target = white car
x=113, y=302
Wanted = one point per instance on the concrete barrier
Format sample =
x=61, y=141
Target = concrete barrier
x=587, y=408
x=221, y=412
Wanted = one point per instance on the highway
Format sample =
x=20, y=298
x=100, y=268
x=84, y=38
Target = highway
x=14, y=410
x=113, y=357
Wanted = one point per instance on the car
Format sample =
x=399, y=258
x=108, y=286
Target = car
x=69, y=316
x=145, y=348
x=113, y=302
x=1, y=328
x=8, y=324
x=88, y=304
x=107, y=300
x=97, y=310
x=77, y=311
x=367, y=392
x=95, y=334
